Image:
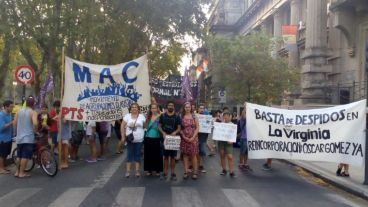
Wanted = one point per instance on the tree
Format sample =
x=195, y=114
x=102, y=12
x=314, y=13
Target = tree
x=247, y=69
x=101, y=31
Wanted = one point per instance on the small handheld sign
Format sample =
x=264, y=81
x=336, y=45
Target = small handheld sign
x=172, y=142
x=24, y=74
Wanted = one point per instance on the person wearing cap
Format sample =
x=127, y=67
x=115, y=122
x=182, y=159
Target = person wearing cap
x=26, y=126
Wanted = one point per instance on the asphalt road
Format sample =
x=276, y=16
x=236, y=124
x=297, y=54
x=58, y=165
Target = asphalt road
x=103, y=184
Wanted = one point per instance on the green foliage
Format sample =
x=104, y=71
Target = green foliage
x=100, y=31
x=247, y=69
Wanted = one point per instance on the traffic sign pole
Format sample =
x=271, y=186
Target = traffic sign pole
x=24, y=91
x=24, y=74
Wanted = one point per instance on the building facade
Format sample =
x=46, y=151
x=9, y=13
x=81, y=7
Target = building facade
x=331, y=47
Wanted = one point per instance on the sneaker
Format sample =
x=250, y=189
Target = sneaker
x=247, y=168
x=223, y=172
x=266, y=167
x=344, y=174
x=89, y=160
x=127, y=174
x=232, y=174
x=338, y=171
x=101, y=158
x=137, y=174
x=212, y=154
x=173, y=177
x=163, y=176
x=201, y=168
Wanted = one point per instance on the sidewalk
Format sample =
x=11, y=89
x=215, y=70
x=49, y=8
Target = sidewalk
x=327, y=171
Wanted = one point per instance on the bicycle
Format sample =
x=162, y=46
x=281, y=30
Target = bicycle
x=42, y=155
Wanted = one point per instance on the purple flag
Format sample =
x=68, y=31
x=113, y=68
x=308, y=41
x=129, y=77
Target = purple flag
x=186, y=89
x=46, y=88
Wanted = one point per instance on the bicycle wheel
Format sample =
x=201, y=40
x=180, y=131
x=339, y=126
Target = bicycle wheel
x=48, y=163
x=30, y=164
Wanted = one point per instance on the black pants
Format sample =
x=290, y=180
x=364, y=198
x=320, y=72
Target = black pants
x=153, y=155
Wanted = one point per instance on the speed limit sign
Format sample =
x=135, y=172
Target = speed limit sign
x=24, y=74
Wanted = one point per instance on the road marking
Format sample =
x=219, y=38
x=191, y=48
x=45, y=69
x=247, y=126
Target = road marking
x=185, y=197
x=17, y=196
x=240, y=198
x=73, y=197
x=342, y=200
x=130, y=197
x=101, y=181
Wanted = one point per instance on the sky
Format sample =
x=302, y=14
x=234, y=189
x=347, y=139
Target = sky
x=187, y=57
x=193, y=44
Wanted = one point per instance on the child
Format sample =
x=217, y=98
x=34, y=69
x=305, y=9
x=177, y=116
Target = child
x=91, y=136
x=76, y=141
x=226, y=148
x=44, y=121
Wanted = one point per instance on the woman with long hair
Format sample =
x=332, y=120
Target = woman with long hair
x=133, y=124
x=189, y=140
x=152, y=142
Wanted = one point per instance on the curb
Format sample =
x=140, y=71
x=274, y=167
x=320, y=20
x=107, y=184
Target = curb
x=343, y=184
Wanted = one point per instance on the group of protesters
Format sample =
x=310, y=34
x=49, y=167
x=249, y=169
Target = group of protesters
x=135, y=131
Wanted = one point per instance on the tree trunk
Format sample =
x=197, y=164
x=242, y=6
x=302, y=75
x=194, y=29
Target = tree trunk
x=6, y=60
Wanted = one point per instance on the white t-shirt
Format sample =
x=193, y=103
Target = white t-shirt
x=139, y=131
x=89, y=127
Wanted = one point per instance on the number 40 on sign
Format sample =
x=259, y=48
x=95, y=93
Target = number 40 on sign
x=24, y=74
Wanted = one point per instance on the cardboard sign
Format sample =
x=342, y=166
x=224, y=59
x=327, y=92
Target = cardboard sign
x=172, y=142
x=225, y=132
x=205, y=123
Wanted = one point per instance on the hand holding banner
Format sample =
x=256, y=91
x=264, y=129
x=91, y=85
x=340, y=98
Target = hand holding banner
x=334, y=134
x=104, y=92
x=224, y=132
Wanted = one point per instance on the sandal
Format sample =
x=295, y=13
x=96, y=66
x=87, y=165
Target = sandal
x=24, y=176
x=185, y=176
x=195, y=176
x=5, y=172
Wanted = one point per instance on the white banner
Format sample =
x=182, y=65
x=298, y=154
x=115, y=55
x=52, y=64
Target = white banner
x=224, y=132
x=205, y=123
x=335, y=134
x=104, y=92
x=172, y=142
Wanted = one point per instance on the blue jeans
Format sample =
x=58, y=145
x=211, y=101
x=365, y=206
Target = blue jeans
x=134, y=151
x=202, y=147
x=243, y=147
